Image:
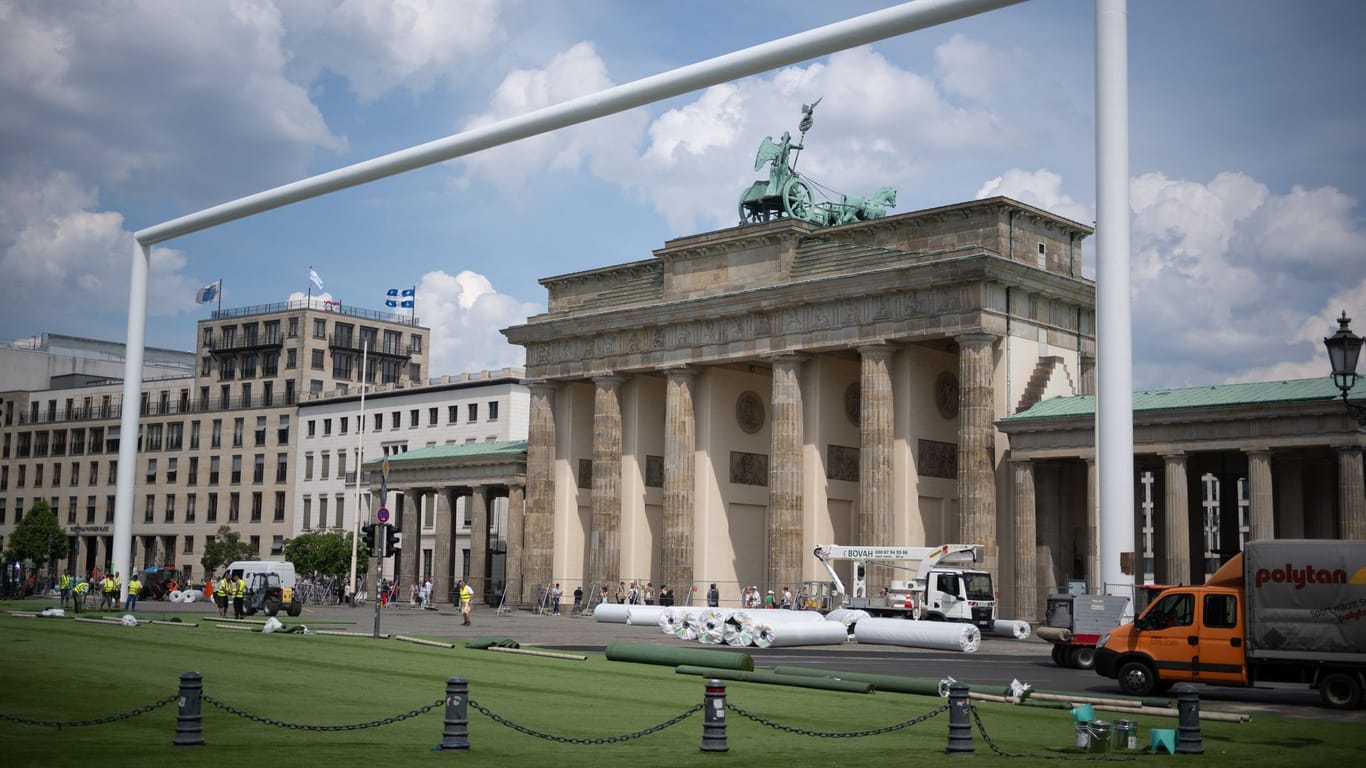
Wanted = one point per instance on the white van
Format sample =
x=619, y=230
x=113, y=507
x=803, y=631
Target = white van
x=270, y=585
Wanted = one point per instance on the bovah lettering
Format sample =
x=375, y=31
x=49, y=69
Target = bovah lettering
x=1300, y=576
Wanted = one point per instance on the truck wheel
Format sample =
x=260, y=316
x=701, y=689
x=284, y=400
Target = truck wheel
x=1340, y=690
x=295, y=608
x=1060, y=655
x=1083, y=657
x=1136, y=678
x=271, y=606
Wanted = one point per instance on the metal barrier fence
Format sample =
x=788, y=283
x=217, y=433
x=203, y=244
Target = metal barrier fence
x=964, y=718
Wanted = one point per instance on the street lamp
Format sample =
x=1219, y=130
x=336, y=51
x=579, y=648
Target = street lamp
x=1344, y=347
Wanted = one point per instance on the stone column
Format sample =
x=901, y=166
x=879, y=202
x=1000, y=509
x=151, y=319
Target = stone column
x=874, y=523
x=680, y=478
x=521, y=585
x=411, y=517
x=1351, y=494
x=1261, y=495
x=1093, y=577
x=477, y=506
x=443, y=513
x=784, y=521
x=540, y=480
x=1026, y=541
x=604, y=531
x=1048, y=532
x=1290, y=497
x=1176, y=535
x=1088, y=375
x=976, y=446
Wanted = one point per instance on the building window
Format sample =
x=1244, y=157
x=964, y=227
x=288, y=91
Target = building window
x=291, y=359
x=308, y=513
x=413, y=418
x=149, y=511
x=237, y=430
x=473, y=412
x=193, y=475
x=216, y=439
x=255, y=544
x=379, y=421
x=293, y=327
x=189, y=548
x=94, y=473
x=236, y=469
x=174, y=436
x=493, y=410
x=153, y=437
x=341, y=509
x=415, y=372
x=213, y=470
x=172, y=466
x=341, y=365
x=211, y=514
x=170, y=508
x=319, y=328
x=281, y=467
x=322, y=511
x=282, y=432
x=322, y=474
x=317, y=359
x=151, y=471
x=234, y=507
x=258, y=473
x=277, y=544
x=260, y=430
x=416, y=344
x=109, y=509
x=227, y=369
x=89, y=510
x=327, y=426
x=190, y=502
x=256, y=506
x=397, y=419
x=452, y=414
x=344, y=421
x=279, y=514
x=308, y=466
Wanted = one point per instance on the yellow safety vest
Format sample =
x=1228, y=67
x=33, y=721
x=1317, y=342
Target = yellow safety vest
x=239, y=588
x=64, y=582
x=134, y=587
x=81, y=588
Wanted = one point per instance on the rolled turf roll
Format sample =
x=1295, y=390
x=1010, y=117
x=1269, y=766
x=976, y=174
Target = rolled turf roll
x=818, y=683
x=611, y=613
x=671, y=656
x=940, y=635
x=644, y=615
x=1016, y=628
x=847, y=616
x=923, y=686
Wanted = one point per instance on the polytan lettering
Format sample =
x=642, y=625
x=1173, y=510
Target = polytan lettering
x=1301, y=576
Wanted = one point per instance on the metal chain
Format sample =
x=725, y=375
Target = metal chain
x=977, y=717
x=840, y=734
x=584, y=740
x=59, y=724
x=301, y=727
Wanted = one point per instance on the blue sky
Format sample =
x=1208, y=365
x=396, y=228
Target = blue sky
x=1248, y=154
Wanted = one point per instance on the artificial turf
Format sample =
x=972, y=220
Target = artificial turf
x=62, y=670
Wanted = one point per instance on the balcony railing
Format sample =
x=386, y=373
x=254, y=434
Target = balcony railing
x=335, y=308
x=234, y=344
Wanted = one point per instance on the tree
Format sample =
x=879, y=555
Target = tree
x=227, y=546
x=326, y=552
x=38, y=537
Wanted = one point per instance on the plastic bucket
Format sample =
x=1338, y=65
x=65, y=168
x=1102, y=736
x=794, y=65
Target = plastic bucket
x=1083, y=713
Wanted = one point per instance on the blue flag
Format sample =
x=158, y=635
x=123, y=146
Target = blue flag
x=392, y=297
x=208, y=293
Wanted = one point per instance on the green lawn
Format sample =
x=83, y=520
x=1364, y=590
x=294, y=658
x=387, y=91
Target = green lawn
x=59, y=669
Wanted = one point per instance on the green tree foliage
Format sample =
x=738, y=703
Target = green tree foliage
x=326, y=552
x=38, y=538
x=227, y=546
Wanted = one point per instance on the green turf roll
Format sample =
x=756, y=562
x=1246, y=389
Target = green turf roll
x=893, y=683
x=671, y=656
x=484, y=643
x=795, y=681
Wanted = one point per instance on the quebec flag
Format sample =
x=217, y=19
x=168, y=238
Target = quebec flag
x=209, y=292
x=392, y=298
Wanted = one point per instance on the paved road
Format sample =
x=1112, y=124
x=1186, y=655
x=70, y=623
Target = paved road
x=991, y=669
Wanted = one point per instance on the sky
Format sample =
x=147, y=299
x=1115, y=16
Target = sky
x=1247, y=155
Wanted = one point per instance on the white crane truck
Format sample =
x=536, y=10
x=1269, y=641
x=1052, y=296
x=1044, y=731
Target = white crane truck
x=939, y=590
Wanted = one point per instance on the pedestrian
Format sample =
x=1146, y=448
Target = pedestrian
x=713, y=597
x=239, y=597
x=604, y=599
x=413, y=592
x=134, y=586
x=666, y=595
x=64, y=586
x=222, y=593
x=466, y=598
x=649, y=593
x=578, y=600
x=770, y=601
x=620, y=596
x=426, y=594
x=555, y=594
x=787, y=599
x=108, y=595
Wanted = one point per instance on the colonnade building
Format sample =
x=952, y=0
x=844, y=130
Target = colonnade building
x=713, y=413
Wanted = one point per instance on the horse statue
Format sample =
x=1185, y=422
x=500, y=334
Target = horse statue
x=853, y=208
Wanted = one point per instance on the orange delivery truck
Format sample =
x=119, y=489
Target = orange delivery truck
x=1283, y=611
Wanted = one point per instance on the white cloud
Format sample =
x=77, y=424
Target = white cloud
x=466, y=314
x=58, y=250
x=378, y=45
x=971, y=68
x=1041, y=189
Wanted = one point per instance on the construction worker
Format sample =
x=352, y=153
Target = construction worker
x=134, y=586
x=239, y=595
x=107, y=591
x=466, y=598
x=78, y=594
x=64, y=586
x=222, y=593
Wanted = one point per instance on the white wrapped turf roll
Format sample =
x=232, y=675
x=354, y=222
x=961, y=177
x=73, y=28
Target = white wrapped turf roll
x=611, y=613
x=1016, y=628
x=712, y=629
x=688, y=624
x=807, y=633
x=763, y=634
x=940, y=635
x=644, y=615
x=668, y=620
x=176, y=596
x=777, y=616
x=738, y=635
x=847, y=616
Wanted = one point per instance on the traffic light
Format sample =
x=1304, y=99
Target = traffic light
x=391, y=540
x=367, y=533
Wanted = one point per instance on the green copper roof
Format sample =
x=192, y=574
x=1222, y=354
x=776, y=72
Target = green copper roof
x=463, y=451
x=1297, y=390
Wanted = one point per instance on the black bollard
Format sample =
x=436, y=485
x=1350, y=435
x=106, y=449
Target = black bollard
x=714, y=718
x=455, y=730
x=960, y=721
x=189, y=730
x=1188, y=722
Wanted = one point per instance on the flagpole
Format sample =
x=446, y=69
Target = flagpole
x=308, y=302
x=360, y=460
x=220, y=295
x=413, y=314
